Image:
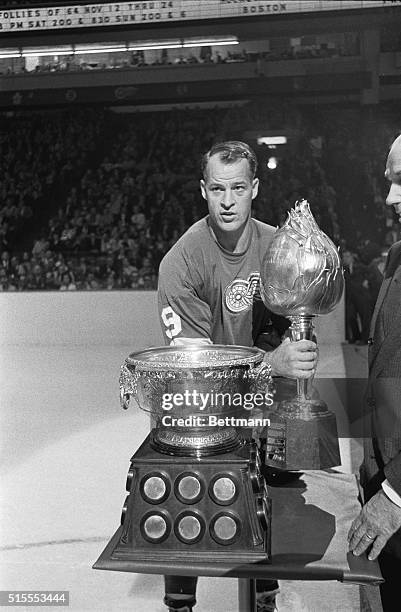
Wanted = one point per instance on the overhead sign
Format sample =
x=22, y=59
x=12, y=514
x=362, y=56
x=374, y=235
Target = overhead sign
x=114, y=14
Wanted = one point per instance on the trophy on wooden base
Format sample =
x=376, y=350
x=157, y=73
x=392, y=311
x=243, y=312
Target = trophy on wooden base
x=195, y=491
x=302, y=277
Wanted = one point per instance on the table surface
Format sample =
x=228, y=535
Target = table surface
x=311, y=514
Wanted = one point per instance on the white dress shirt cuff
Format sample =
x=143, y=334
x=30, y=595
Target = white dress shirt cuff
x=391, y=494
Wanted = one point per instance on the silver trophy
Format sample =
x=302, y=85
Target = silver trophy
x=302, y=277
x=208, y=380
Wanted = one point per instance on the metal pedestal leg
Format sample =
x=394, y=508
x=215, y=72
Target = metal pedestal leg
x=246, y=595
x=180, y=593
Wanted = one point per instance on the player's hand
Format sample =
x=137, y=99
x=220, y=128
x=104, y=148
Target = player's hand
x=378, y=520
x=294, y=359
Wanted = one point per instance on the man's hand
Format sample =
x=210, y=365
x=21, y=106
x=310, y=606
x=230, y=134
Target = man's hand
x=293, y=359
x=378, y=520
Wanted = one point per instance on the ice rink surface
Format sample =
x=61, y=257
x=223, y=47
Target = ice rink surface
x=65, y=452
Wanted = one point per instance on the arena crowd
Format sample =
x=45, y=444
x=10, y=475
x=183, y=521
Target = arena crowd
x=92, y=199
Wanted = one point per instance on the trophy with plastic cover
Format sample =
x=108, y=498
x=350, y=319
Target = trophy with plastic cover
x=302, y=277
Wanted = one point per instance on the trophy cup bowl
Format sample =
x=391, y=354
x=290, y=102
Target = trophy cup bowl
x=302, y=277
x=183, y=387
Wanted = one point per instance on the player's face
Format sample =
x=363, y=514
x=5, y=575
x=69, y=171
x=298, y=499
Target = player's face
x=393, y=174
x=229, y=190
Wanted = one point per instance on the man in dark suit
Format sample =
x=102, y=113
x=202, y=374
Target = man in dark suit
x=377, y=529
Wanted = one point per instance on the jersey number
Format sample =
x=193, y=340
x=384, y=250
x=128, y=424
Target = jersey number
x=172, y=321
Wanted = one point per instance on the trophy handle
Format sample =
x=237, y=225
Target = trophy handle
x=124, y=399
x=262, y=373
x=128, y=381
x=261, y=377
x=128, y=386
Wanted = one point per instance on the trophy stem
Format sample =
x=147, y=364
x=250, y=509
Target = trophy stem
x=303, y=434
x=302, y=329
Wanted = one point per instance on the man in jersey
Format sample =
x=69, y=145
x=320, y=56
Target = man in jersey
x=209, y=281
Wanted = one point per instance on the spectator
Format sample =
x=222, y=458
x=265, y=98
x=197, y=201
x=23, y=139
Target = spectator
x=357, y=299
x=67, y=283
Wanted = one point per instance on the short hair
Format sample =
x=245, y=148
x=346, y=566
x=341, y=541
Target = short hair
x=229, y=152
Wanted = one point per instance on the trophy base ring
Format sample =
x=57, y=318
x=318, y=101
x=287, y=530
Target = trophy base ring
x=206, y=445
x=304, y=408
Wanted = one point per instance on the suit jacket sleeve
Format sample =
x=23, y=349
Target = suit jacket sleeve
x=387, y=392
x=392, y=472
